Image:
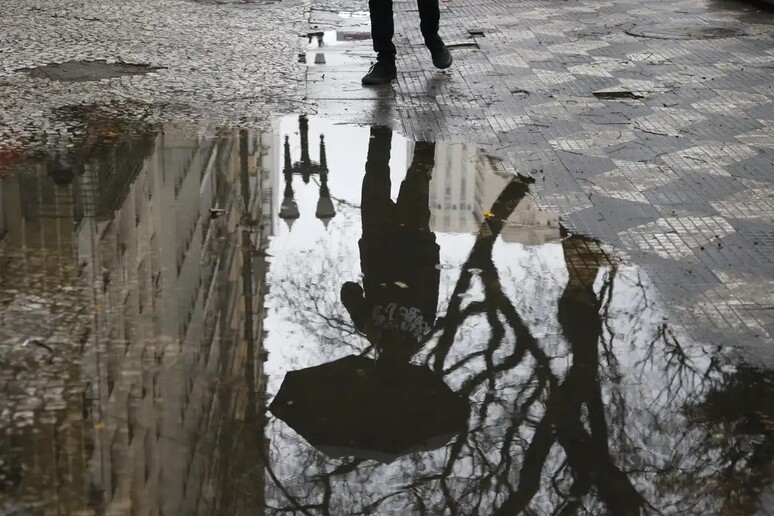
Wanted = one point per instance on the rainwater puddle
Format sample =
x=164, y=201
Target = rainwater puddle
x=338, y=48
x=331, y=38
x=328, y=316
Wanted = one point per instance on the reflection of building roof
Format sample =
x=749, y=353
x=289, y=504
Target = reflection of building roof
x=465, y=184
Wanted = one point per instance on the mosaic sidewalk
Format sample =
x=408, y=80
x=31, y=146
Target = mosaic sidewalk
x=655, y=137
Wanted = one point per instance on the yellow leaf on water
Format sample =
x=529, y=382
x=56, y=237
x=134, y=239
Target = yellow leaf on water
x=488, y=214
x=111, y=134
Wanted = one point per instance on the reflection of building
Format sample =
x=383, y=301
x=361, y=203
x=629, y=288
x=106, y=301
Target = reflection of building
x=160, y=252
x=453, y=188
x=464, y=187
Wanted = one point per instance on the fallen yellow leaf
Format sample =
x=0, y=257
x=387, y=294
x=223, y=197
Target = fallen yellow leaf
x=488, y=214
x=99, y=426
x=111, y=134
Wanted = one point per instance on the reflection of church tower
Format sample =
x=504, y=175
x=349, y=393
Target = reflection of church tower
x=306, y=168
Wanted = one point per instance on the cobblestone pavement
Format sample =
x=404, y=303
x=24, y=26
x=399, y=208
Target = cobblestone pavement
x=219, y=61
x=650, y=126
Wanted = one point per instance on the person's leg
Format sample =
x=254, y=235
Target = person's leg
x=377, y=210
x=414, y=195
x=429, y=22
x=382, y=29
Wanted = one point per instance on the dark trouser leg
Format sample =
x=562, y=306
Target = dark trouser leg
x=418, y=241
x=382, y=29
x=376, y=208
x=414, y=195
x=429, y=20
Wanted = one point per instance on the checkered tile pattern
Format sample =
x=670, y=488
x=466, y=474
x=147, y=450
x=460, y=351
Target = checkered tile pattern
x=672, y=161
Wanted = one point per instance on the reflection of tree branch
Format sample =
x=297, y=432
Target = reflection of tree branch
x=481, y=254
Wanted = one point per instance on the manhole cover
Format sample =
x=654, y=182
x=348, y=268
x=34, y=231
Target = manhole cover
x=80, y=71
x=683, y=31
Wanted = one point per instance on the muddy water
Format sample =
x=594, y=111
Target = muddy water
x=330, y=319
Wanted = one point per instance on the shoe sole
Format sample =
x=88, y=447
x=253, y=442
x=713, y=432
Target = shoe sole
x=378, y=83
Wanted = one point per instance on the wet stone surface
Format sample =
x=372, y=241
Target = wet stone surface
x=683, y=31
x=334, y=317
x=227, y=64
x=77, y=71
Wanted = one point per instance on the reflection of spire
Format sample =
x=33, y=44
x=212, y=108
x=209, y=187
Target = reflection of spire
x=288, y=164
x=325, y=210
x=323, y=158
x=306, y=163
x=306, y=168
x=288, y=208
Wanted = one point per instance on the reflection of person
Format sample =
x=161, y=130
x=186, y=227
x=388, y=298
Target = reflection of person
x=382, y=28
x=396, y=307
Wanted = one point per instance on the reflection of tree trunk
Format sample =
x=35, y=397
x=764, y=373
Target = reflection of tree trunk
x=587, y=452
x=579, y=316
x=480, y=258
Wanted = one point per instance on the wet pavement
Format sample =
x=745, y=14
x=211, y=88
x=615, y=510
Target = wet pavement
x=539, y=282
x=328, y=318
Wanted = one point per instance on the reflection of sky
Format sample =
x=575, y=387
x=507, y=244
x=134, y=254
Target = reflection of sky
x=307, y=326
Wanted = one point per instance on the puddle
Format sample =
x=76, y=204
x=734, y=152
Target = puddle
x=81, y=71
x=332, y=38
x=340, y=48
x=331, y=317
x=339, y=58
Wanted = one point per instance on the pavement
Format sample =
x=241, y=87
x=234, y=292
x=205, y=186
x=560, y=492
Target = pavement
x=649, y=126
x=226, y=62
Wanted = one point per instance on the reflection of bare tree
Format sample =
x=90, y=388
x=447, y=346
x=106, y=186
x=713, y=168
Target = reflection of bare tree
x=592, y=423
x=311, y=300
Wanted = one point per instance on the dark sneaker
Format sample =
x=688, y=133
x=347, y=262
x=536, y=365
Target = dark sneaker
x=442, y=58
x=380, y=73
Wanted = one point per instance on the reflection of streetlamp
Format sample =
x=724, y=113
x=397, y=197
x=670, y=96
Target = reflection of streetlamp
x=289, y=208
x=306, y=168
x=325, y=210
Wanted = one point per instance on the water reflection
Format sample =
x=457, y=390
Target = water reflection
x=134, y=298
x=584, y=398
x=131, y=277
